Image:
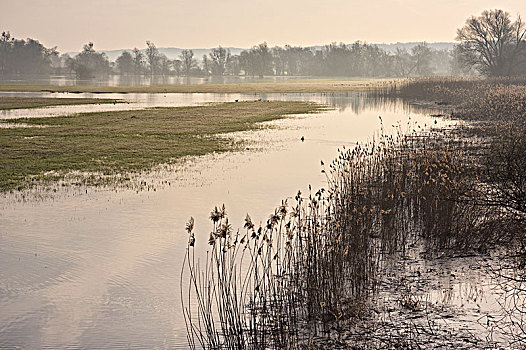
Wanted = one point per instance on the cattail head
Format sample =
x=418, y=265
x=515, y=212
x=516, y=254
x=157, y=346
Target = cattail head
x=215, y=215
x=249, y=225
x=190, y=225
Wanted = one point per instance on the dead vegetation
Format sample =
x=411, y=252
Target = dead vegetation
x=311, y=271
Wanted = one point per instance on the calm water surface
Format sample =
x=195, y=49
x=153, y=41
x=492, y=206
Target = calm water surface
x=118, y=80
x=99, y=268
x=353, y=101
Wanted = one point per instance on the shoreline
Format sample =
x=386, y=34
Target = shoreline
x=11, y=103
x=296, y=86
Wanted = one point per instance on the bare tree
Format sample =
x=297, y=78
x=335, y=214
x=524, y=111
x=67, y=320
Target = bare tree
x=422, y=55
x=177, y=66
x=402, y=63
x=165, y=65
x=188, y=61
x=125, y=63
x=153, y=57
x=233, y=67
x=257, y=61
x=460, y=61
x=5, y=49
x=90, y=63
x=493, y=41
x=220, y=58
x=206, y=65
x=138, y=61
x=279, y=56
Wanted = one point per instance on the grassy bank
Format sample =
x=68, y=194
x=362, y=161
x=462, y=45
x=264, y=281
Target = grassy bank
x=124, y=141
x=9, y=102
x=290, y=86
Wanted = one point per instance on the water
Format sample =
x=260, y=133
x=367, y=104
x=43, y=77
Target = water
x=457, y=302
x=353, y=101
x=99, y=268
x=123, y=80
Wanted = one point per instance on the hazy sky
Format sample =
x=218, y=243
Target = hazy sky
x=115, y=24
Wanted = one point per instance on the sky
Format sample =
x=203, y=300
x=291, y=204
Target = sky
x=119, y=24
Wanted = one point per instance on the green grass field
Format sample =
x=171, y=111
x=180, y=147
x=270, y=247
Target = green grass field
x=126, y=141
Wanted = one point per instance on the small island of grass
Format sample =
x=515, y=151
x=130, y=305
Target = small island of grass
x=127, y=141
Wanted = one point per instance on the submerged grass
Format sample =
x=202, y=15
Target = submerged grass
x=290, y=86
x=125, y=141
x=9, y=102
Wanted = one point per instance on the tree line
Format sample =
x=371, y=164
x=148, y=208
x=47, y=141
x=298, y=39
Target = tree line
x=24, y=56
x=490, y=44
x=355, y=60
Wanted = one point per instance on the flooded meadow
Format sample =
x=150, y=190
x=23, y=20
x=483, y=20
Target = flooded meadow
x=169, y=181
x=99, y=267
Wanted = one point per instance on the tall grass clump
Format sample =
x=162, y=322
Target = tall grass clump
x=311, y=268
x=496, y=111
x=279, y=284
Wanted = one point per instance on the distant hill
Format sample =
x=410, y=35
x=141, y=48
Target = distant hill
x=409, y=46
x=174, y=52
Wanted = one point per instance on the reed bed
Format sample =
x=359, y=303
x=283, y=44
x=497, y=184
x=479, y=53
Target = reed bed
x=312, y=266
x=310, y=271
x=496, y=111
x=495, y=99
